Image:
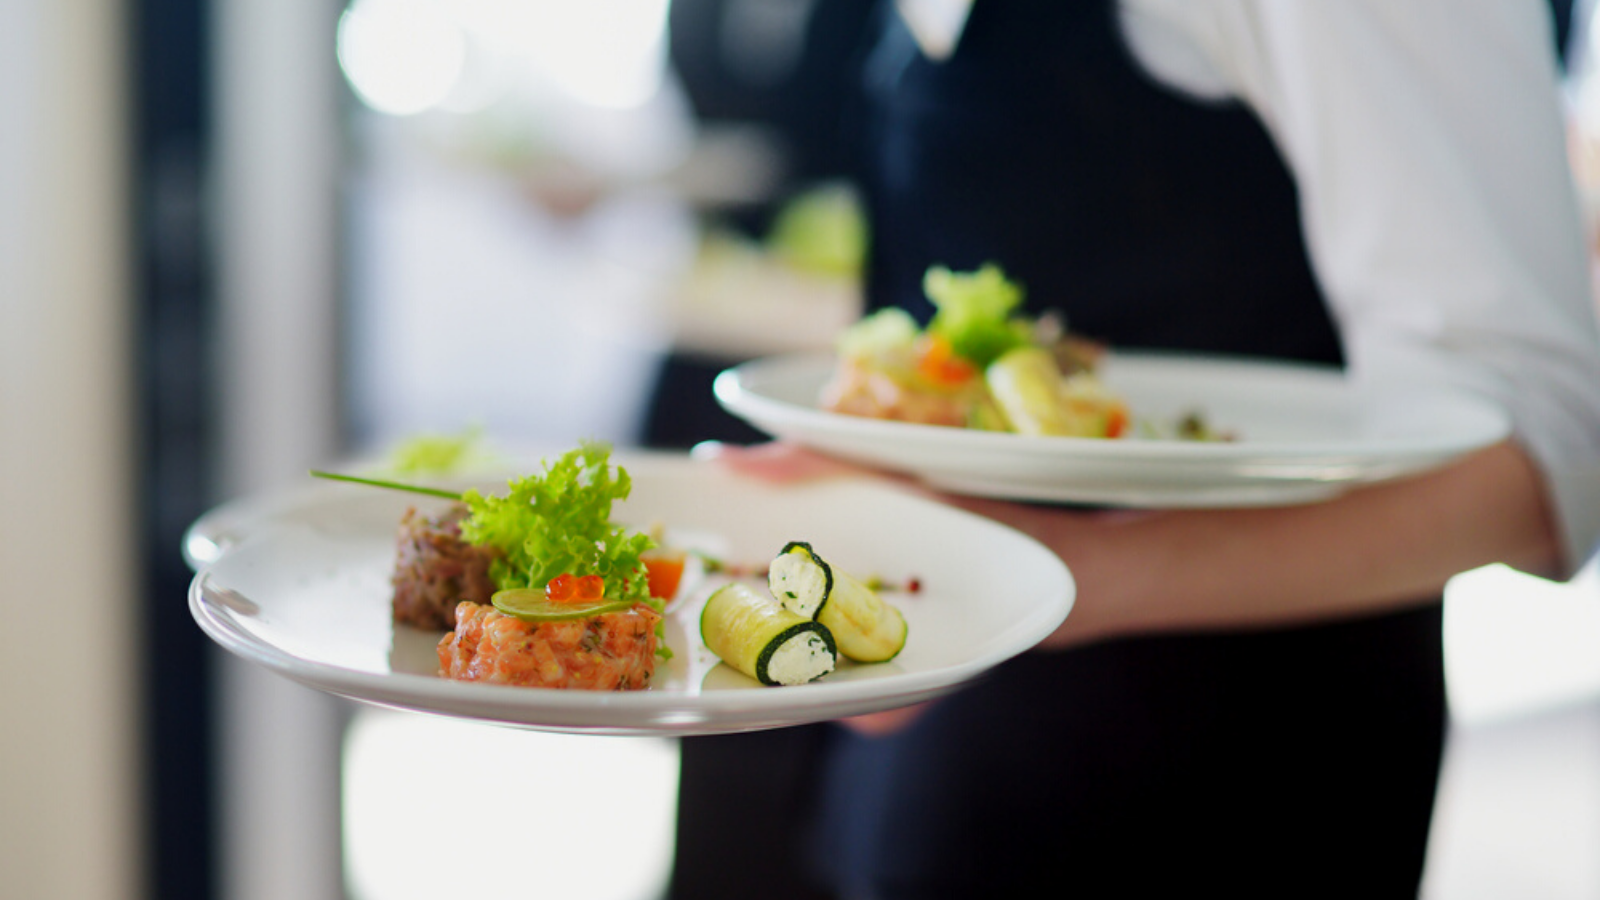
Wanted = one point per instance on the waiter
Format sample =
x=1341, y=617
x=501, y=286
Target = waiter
x=1250, y=700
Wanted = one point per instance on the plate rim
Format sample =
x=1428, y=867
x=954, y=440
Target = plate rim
x=732, y=390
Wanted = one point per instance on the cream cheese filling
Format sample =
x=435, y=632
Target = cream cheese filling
x=802, y=658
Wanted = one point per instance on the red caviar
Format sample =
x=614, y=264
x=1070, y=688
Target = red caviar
x=571, y=588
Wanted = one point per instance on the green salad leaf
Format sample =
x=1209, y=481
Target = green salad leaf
x=558, y=521
x=975, y=312
x=880, y=335
x=436, y=454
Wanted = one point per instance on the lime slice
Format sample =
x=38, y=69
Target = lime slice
x=531, y=605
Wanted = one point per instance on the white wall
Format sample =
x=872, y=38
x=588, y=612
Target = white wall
x=68, y=677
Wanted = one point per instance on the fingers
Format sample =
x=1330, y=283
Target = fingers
x=882, y=723
x=776, y=461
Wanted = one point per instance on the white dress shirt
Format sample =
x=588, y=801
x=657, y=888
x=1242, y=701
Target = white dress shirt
x=1427, y=139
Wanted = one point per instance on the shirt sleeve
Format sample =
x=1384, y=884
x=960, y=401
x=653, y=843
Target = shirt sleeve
x=1428, y=144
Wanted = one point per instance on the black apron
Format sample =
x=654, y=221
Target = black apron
x=1279, y=762
x=1148, y=218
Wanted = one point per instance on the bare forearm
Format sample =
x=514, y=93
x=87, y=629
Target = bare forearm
x=1373, y=549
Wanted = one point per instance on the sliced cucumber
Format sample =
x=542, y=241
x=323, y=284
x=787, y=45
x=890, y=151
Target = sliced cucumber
x=532, y=605
x=865, y=628
x=760, y=638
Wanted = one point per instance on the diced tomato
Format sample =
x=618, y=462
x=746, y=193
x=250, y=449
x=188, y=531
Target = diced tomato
x=664, y=571
x=937, y=361
x=1116, y=422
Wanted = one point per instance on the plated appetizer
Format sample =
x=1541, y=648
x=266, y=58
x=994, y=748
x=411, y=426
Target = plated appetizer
x=539, y=585
x=980, y=364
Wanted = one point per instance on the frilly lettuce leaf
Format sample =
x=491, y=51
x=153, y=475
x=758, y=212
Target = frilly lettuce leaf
x=559, y=521
x=975, y=312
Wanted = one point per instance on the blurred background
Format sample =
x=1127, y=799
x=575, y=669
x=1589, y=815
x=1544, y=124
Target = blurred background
x=240, y=238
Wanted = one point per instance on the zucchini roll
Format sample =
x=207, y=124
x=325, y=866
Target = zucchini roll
x=763, y=640
x=866, y=628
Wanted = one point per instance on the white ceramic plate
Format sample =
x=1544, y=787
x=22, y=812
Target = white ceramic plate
x=1303, y=433
x=298, y=582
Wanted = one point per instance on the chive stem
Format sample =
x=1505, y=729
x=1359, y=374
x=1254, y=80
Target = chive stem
x=392, y=485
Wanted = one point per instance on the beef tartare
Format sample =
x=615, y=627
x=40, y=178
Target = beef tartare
x=435, y=569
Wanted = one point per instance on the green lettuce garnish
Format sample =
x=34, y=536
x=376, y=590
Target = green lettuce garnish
x=553, y=523
x=436, y=454
x=886, y=332
x=558, y=521
x=974, y=312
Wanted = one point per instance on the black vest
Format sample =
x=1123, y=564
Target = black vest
x=1149, y=218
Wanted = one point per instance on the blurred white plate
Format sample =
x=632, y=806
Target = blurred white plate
x=1303, y=433
x=298, y=582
